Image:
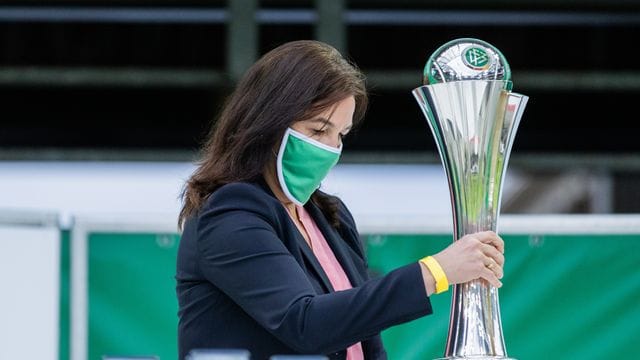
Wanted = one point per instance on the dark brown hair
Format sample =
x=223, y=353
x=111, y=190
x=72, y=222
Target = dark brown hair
x=292, y=82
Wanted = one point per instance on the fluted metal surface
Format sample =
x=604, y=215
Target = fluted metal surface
x=474, y=123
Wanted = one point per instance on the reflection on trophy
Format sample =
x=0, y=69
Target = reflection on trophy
x=473, y=115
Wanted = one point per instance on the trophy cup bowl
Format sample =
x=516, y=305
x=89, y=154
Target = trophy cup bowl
x=473, y=115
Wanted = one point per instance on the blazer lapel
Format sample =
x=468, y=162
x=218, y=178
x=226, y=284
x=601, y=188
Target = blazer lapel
x=340, y=249
x=332, y=237
x=302, y=244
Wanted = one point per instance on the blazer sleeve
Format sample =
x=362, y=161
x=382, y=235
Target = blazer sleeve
x=241, y=254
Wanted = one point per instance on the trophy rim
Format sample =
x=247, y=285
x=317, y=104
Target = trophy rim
x=508, y=83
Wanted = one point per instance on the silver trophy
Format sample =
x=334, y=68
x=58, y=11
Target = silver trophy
x=468, y=103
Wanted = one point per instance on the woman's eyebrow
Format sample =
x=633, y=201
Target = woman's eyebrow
x=323, y=120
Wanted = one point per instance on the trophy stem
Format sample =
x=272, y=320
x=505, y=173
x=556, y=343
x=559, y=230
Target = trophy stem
x=474, y=124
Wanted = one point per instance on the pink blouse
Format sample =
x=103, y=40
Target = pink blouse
x=330, y=265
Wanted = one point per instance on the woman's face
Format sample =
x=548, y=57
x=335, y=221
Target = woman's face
x=330, y=126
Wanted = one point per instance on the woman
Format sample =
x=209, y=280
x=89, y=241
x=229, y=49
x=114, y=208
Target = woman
x=269, y=263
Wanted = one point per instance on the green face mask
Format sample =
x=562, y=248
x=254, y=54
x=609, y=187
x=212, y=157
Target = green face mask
x=302, y=164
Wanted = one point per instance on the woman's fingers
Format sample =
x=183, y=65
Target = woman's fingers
x=493, y=253
x=494, y=260
x=495, y=268
x=474, y=256
x=491, y=277
x=491, y=238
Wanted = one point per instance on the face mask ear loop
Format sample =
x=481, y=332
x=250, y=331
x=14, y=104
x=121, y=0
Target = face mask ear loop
x=274, y=152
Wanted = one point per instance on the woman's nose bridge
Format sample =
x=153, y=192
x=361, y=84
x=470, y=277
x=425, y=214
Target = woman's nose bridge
x=333, y=140
x=337, y=140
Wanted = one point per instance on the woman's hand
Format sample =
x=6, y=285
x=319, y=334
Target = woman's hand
x=474, y=256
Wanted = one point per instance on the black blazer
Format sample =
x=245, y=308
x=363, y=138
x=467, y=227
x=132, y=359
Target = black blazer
x=247, y=279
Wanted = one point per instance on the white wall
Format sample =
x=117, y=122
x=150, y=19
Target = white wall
x=29, y=300
x=69, y=188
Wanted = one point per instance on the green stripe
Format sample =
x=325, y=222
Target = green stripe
x=64, y=307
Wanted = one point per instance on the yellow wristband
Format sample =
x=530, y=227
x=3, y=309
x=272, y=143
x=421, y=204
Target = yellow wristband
x=442, y=283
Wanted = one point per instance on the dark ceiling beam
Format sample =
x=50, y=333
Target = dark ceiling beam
x=382, y=79
x=353, y=17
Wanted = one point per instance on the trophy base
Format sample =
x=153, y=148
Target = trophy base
x=476, y=357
